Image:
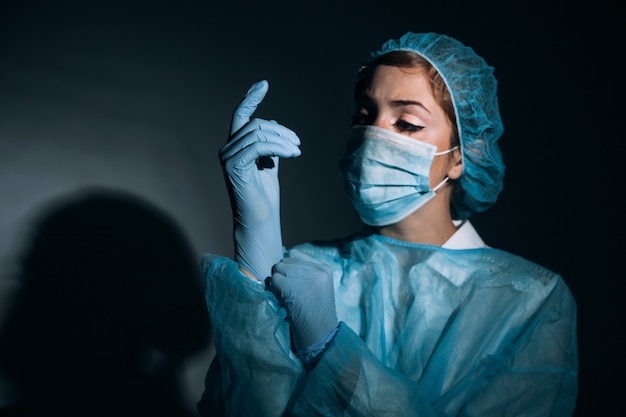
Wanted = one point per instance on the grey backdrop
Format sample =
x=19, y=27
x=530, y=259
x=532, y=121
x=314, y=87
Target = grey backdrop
x=138, y=96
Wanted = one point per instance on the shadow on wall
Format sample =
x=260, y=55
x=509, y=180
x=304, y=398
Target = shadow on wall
x=110, y=304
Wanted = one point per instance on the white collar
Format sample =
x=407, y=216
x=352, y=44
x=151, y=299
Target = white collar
x=465, y=237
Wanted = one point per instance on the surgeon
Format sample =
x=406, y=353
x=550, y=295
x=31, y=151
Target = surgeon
x=414, y=315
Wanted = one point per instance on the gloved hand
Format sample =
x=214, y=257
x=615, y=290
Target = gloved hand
x=250, y=163
x=305, y=286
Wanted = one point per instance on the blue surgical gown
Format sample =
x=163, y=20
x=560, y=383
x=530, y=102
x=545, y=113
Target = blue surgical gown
x=424, y=331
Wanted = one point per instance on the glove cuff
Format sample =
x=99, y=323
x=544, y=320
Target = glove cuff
x=311, y=354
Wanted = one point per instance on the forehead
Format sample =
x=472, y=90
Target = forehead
x=390, y=83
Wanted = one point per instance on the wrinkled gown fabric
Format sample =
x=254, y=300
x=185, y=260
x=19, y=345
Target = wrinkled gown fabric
x=425, y=331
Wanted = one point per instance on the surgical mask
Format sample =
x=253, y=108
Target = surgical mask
x=386, y=174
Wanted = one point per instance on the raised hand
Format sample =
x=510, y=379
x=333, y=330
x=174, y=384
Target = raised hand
x=250, y=163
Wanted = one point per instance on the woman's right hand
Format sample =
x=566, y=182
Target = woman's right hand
x=250, y=164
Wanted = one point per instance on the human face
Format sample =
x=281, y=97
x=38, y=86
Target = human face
x=400, y=100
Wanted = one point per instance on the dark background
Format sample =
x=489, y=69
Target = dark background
x=138, y=96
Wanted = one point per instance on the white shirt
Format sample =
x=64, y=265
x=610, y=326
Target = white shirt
x=465, y=237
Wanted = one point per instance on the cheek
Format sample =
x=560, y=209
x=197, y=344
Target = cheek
x=438, y=170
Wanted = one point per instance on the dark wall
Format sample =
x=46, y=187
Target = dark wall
x=138, y=96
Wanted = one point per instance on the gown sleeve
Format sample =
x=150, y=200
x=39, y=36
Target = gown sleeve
x=254, y=372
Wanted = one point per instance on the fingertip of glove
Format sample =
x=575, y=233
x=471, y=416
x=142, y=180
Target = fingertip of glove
x=258, y=86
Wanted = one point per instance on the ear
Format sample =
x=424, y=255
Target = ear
x=456, y=165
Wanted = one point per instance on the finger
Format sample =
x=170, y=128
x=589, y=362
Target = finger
x=258, y=130
x=248, y=155
x=276, y=283
x=298, y=269
x=248, y=105
x=262, y=142
x=281, y=286
x=298, y=256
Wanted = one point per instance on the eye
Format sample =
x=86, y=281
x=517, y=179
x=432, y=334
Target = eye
x=406, y=127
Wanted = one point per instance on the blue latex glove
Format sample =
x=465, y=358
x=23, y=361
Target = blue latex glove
x=305, y=285
x=250, y=163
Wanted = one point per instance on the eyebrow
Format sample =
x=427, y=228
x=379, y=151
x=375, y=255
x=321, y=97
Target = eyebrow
x=400, y=103
x=365, y=98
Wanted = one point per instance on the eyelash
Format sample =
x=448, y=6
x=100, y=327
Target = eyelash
x=406, y=127
x=402, y=126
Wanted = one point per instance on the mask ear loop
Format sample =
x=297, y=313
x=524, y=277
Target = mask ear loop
x=441, y=184
x=445, y=152
x=445, y=180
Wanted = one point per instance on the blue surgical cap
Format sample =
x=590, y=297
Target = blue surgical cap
x=472, y=86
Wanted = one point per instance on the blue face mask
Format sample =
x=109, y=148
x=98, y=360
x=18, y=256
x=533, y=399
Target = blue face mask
x=386, y=174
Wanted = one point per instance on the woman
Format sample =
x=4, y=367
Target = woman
x=415, y=315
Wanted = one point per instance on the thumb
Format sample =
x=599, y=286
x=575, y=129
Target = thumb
x=248, y=105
